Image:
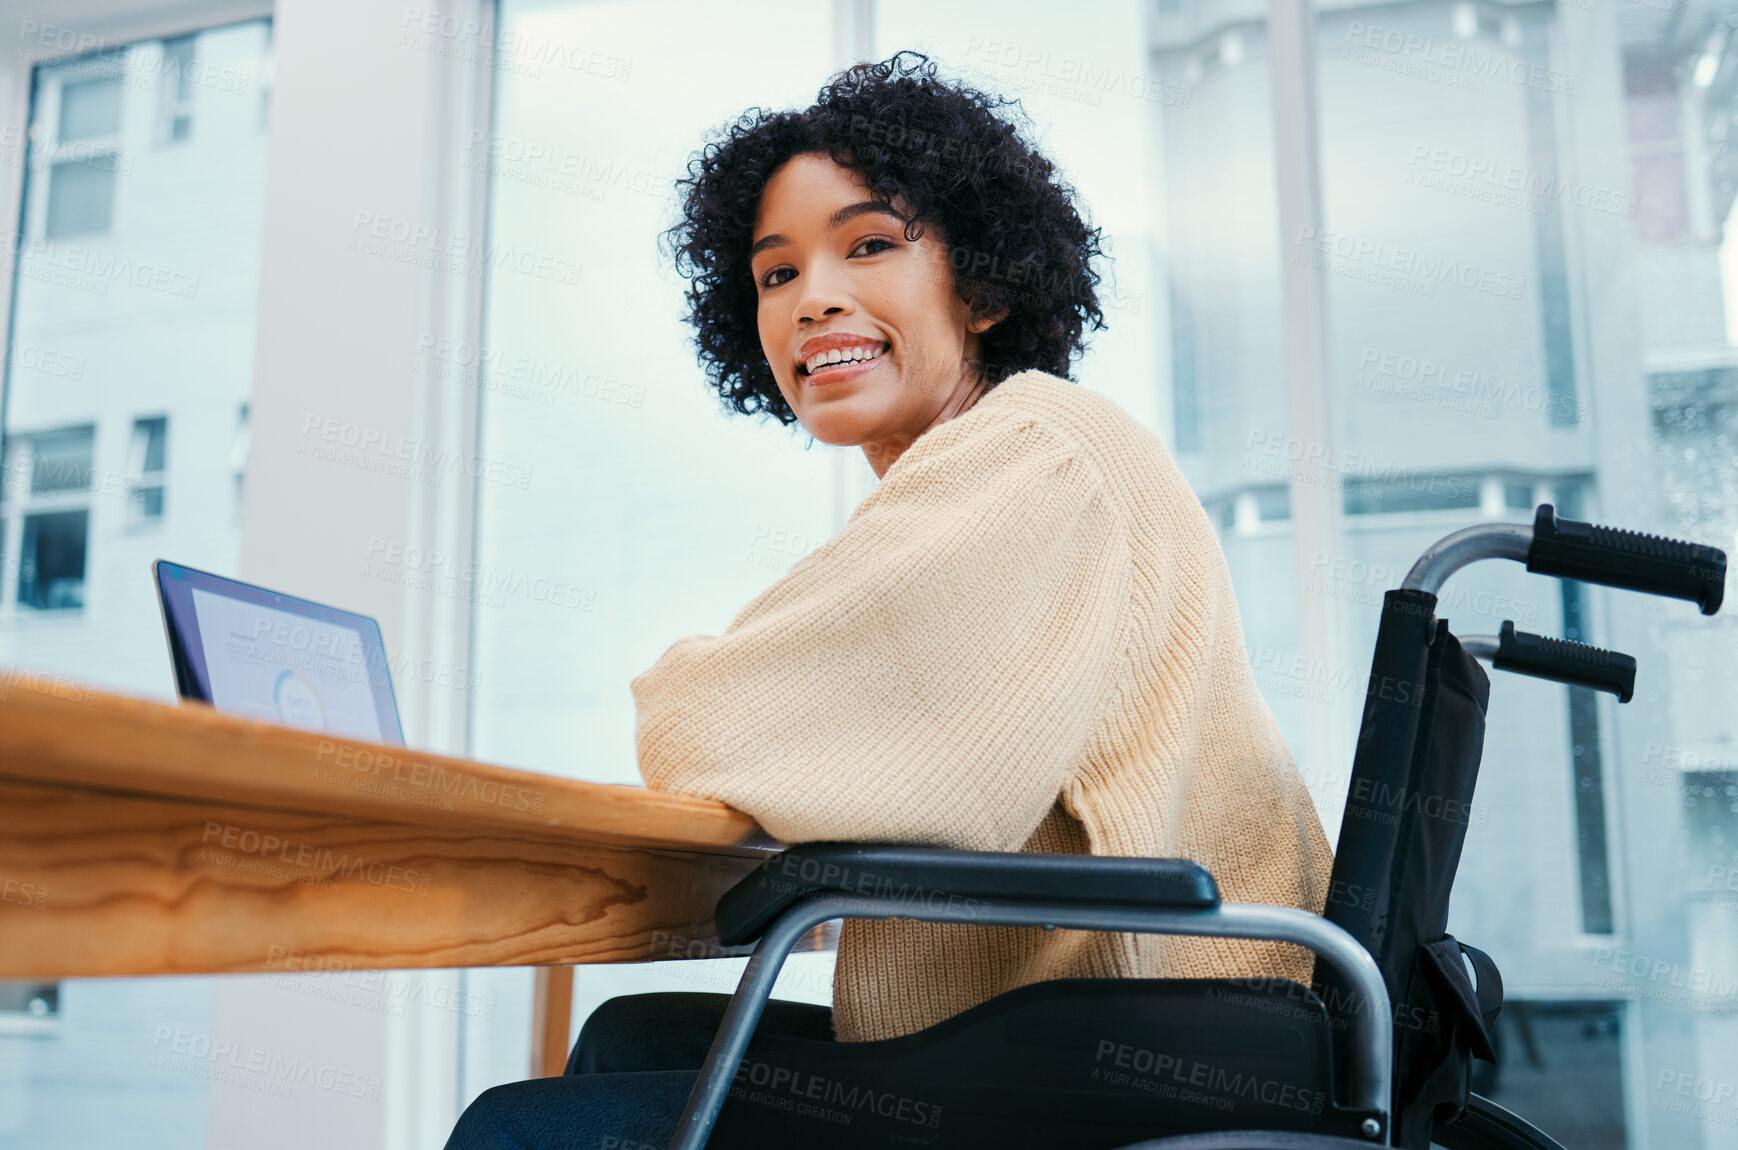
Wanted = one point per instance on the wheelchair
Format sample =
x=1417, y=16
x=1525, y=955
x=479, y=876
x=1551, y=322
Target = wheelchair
x=1376, y=1052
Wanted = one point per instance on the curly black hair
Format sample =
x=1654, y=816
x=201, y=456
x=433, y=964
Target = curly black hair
x=1014, y=238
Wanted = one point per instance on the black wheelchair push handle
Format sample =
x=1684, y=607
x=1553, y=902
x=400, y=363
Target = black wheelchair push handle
x=1558, y=660
x=1635, y=562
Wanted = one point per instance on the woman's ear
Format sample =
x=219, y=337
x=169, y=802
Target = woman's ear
x=987, y=322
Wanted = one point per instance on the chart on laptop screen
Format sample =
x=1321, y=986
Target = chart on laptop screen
x=272, y=665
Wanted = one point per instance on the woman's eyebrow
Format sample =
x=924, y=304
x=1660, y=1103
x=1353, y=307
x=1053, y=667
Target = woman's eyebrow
x=843, y=215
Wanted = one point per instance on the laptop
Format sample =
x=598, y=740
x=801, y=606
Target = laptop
x=274, y=657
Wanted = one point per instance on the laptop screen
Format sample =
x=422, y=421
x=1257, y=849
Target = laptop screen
x=265, y=655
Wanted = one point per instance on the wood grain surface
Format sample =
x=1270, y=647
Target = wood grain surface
x=95, y=883
x=144, y=838
x=56, y=731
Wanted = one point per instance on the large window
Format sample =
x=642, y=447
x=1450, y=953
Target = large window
x=1520, y=260
x=83, y=153
x=131, y=351
x=589, y=380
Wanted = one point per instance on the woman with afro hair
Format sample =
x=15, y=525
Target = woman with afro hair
x=1025, y=639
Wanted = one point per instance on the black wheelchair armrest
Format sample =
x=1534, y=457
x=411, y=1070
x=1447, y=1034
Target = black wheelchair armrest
x=935, y=878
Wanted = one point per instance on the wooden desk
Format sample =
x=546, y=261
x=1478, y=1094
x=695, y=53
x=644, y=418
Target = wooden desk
x=146, y=838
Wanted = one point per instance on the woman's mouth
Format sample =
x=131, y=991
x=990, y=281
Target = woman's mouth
x=843, y=369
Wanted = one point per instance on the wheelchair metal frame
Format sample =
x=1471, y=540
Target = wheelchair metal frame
x=1368, y=1043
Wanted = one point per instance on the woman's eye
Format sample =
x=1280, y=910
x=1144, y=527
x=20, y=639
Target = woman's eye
x=767, y=280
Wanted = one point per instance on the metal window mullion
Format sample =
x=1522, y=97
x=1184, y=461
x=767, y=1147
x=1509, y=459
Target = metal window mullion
x=1315, y=510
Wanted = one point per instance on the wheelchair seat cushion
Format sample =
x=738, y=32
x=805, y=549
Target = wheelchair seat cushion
x=1081, y=1064
x=1253, y=1140
x=933, y=877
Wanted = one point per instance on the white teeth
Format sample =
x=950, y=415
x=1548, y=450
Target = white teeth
x=846, y=355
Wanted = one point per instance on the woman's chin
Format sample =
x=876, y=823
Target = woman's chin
x=835, y=436
x=838, y=428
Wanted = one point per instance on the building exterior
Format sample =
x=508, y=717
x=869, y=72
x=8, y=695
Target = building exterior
x=1523, y=247
x=125, y=441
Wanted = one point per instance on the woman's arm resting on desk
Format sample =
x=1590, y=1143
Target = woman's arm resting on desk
x=931, y=674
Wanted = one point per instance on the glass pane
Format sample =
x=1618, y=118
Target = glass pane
x=60, y=460
x=52, y=563
x=147, y=309
x=1530, y=298
x=150, y=441
x=1527, y=248
x=671, y=515
x=149, y=502
x=89, y=109
x=1561, y=1064
x=81, y=196
x=1210, y=219
x=594, y=387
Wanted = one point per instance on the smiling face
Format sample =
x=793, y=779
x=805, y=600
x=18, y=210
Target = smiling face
x=836, y=278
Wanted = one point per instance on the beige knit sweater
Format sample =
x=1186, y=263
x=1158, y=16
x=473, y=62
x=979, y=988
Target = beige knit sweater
x=1024, y=639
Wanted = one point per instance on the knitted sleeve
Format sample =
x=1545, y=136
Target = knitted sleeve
x=930, y=675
